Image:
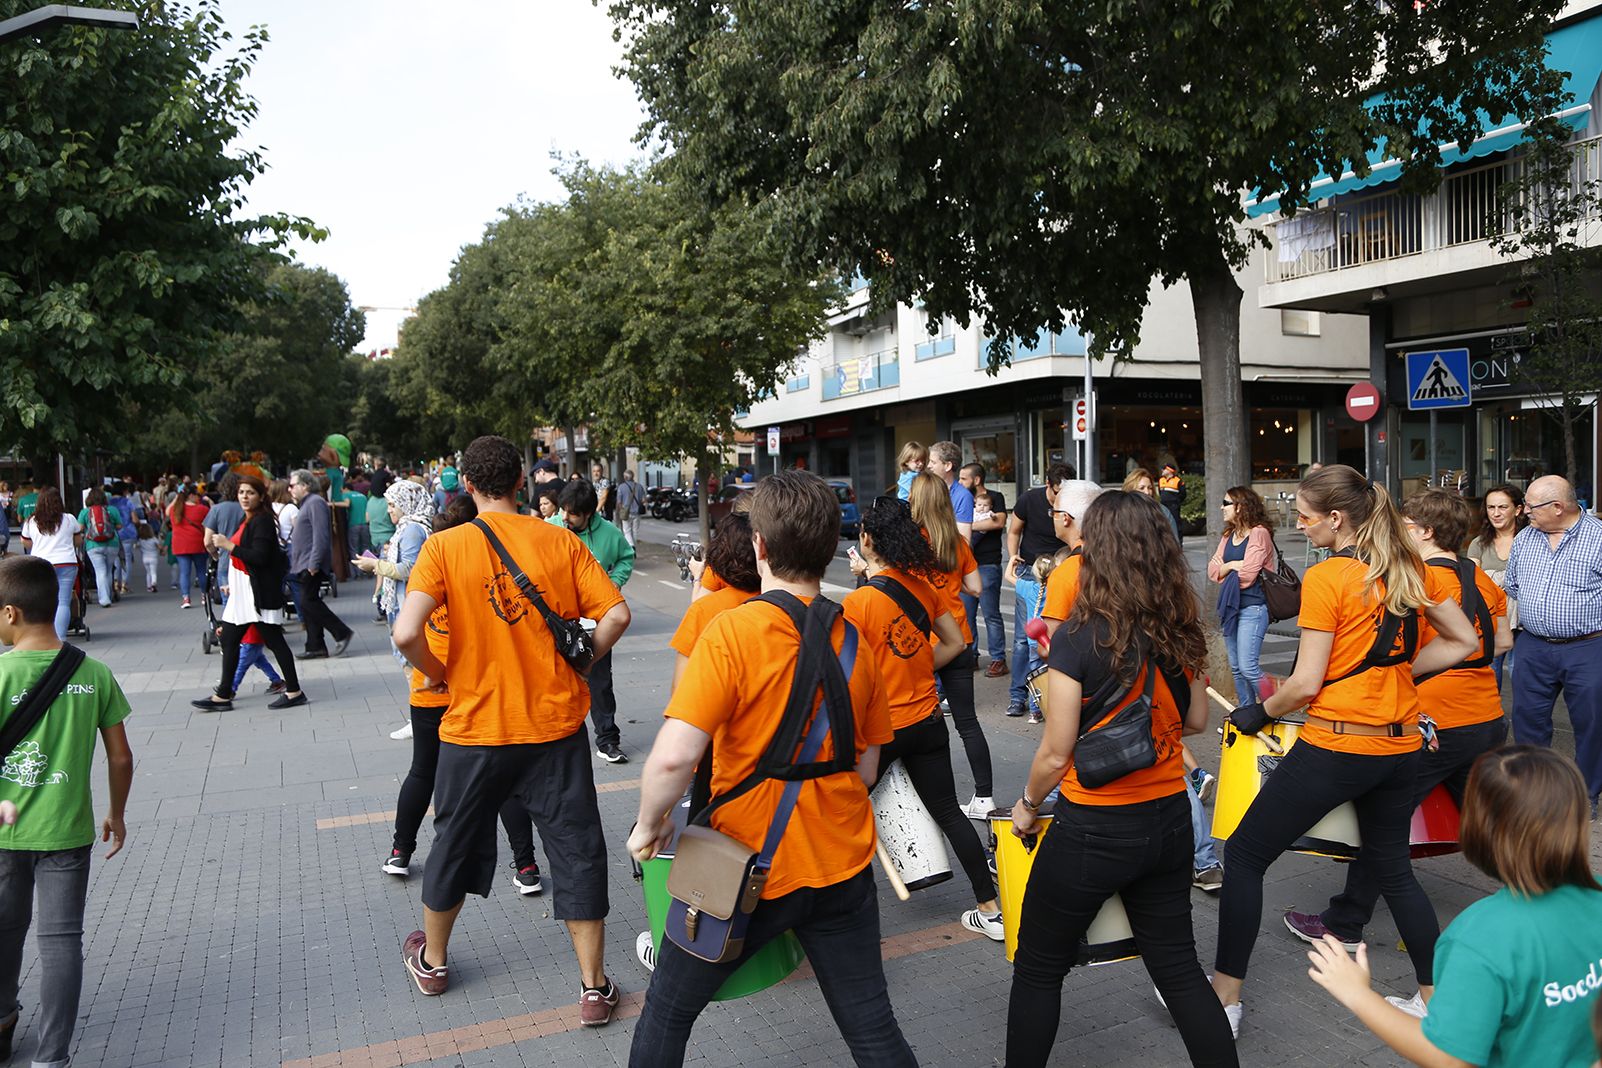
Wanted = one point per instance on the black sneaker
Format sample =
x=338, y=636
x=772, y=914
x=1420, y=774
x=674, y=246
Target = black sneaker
x=527, y=880
x=610, y=753
x=398, y=863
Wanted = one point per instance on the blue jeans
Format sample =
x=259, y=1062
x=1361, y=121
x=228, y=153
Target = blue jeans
x=1501, y=664
x=60, y=882
x=1244, y=644
x=838, y=927
x=192, y=572
x=66, y=575
x=1575, y=669
x=1024, y=657
x=104, y=559
x=988, y=606
x=253, y=656
x=1201, y=831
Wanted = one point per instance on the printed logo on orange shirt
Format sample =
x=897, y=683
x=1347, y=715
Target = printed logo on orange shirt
x=439, y=621
x=902, y=638
x=506, y=599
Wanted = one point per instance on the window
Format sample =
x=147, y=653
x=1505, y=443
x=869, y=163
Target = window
x=798, y=383
x=862, y=374
x=1293, y=322
x=941, y=342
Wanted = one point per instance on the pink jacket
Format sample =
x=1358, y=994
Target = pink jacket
x=1259, y=554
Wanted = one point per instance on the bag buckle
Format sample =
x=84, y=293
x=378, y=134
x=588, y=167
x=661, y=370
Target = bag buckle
x=692, y=919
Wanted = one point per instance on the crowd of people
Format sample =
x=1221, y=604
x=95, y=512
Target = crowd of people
x=503, y=592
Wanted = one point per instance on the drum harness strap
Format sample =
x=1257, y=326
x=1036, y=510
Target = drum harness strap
x=1474, y=606
x=1379, y=655
x=915, y=612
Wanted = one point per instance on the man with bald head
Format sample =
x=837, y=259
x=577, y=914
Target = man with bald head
x=1555, y=572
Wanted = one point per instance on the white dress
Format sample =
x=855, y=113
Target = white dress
x=241, y=607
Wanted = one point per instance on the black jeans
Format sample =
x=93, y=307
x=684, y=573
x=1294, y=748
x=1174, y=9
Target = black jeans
x=417, y=789
x=838, y=927
x=1141, y=852
x=272, y=636
x=1308, y=784
x=603, y=703
x=1350, y=910
x=315, y=613
x=519, y=832
x=956, y=681
x=924, y=749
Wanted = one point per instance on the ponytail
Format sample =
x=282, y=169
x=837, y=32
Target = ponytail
x=1382, y=539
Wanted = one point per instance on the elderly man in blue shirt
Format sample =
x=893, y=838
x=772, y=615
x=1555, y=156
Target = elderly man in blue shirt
x=1555, y=571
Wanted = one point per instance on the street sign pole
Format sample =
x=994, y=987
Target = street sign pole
x=1430, y=483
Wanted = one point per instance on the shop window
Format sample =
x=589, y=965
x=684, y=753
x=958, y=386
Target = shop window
x=1294, y=322
x=1274, y=445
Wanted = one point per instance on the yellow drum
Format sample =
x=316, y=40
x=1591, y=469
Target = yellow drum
x=1247, y=761
x=1109, y=938
x=1036, y=681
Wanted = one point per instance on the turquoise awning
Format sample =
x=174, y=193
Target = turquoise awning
x=1575, y=49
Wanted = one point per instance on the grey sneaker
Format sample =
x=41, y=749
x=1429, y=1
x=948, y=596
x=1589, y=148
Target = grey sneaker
x=341, y=644
x=1209, y=879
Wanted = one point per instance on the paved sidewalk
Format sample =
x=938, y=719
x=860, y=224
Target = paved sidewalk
x=247, y=922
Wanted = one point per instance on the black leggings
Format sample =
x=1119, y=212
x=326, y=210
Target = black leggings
x=1309, y=783
x=924, y=749
x=272, y=636
x=956, y=680
x=417, y=790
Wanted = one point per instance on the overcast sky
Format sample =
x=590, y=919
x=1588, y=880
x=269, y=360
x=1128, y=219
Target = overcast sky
x=402, y=127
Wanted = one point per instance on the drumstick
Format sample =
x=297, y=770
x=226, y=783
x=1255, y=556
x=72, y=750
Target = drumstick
x=1268, y=739
x=890, y=872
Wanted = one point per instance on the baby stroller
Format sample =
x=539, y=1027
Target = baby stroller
x=209, y=639
x=78, y=605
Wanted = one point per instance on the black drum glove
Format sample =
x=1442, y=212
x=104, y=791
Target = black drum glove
x=1249, y=719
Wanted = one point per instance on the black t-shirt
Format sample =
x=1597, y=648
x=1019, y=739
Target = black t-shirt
x=987, y=546
x=1039, y=538
x=1080, y=653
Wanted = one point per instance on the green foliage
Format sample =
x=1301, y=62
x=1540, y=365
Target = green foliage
x=127, y=263
x=1193, y=509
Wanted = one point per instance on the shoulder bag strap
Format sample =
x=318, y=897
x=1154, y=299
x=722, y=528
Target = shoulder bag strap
x=914, y=610
x=1103, y=699
x=41, y=695
x=524, y=583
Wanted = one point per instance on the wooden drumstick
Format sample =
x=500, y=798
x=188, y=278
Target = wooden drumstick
x=890, y=871
x=1268, y=739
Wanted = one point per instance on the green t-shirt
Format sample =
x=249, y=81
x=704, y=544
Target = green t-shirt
x=336, y=483
x=47, y=775
x=379, y=527
x=358, y=508
x=27, y=504
x=1517, y=979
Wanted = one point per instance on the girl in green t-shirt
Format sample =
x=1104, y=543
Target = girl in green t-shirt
x=1518, y=974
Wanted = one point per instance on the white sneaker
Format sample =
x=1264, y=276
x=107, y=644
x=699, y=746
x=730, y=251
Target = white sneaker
x=979, y=808
x=1413, y=1006
x=645, y=949
x=1232, y=1013
x=987, y=924
x=404, y=733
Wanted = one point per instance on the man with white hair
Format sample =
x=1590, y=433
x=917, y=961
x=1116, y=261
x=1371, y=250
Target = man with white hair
x=1067, y=515
x=1555, y=572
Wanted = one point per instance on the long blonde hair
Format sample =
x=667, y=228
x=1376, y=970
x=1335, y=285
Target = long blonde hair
x=931, y=510
x=1382, y=540
x=911, y=451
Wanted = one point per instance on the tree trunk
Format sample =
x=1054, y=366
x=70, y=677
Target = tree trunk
x=1216, y=299
x=1571, y=416
x=570, y=461
x=705, y=500
x=528, y=465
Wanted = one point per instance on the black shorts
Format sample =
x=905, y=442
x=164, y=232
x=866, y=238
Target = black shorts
x=556, y=783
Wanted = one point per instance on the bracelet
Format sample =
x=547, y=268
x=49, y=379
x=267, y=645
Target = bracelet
x=1032, y=806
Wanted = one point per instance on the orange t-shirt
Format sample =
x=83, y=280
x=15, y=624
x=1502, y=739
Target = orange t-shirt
x=507, y=684
x=701, y=612
x=735, y=688
x=948, y=585
x=438, y=632
x=711, y=581
x=1062, y=586
x=1464, y=696
x=1333, y=600
x=903, y=652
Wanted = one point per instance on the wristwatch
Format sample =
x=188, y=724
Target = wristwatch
x=1032, y=806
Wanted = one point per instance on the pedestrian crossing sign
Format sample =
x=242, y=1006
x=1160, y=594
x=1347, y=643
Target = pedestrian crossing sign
x=1438, y=379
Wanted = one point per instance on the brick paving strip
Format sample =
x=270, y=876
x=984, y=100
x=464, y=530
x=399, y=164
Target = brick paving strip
x=492, y=1033
x=362, y=819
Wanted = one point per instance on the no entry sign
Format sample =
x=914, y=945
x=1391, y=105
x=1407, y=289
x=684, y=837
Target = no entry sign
x=1363, y=401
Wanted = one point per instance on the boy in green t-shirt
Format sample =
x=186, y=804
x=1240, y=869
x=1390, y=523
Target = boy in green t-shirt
x=47, y=824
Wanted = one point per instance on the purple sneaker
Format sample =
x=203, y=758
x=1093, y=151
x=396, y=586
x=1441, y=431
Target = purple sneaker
x=1309, y=927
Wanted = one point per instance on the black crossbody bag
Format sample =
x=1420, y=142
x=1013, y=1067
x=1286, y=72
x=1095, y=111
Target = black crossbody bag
x=41, y=695
x=573, y=642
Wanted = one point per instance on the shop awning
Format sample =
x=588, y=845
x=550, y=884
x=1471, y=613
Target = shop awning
x=1575, y=49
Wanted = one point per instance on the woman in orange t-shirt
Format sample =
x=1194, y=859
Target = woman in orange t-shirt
x=731, y=560
x=893, y=549
x=1361, y=742
x=956, y=572
x=1136, y=619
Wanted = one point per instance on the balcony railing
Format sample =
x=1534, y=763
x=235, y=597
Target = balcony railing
x=862, y=374
x=1467, y=207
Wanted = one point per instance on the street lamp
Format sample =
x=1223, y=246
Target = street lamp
x=52, y=15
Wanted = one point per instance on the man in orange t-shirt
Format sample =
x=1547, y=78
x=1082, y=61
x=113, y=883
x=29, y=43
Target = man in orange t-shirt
x=732, y=696
x=515, y=723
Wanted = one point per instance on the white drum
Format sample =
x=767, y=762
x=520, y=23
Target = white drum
x=909, y=834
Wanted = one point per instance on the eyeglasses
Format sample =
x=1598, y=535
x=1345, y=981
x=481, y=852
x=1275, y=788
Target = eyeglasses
x=1543, y=504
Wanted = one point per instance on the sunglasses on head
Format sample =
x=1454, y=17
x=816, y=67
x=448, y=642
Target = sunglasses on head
x=885, y=501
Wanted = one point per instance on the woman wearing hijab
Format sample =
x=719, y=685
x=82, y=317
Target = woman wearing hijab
x=411, y=509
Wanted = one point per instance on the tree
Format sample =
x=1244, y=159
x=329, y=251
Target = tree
x=127, y=261
x=1034, y=163
x=1547, y=209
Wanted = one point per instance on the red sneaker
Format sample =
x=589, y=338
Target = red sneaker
x=430, y=981
x=596, y=1006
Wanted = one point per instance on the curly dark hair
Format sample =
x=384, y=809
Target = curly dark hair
x=731, y=555
x=1135, y=580
x=1249, y=509
x=462, y=509
x=493, y=465
x=896, y=537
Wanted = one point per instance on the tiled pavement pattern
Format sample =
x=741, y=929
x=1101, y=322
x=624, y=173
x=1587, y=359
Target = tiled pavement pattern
x=247, y=922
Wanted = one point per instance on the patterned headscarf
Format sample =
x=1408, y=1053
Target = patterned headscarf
x=415, y=505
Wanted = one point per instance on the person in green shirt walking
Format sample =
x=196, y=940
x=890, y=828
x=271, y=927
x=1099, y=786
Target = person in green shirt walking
x=100, y=522
x=613, y=552
x=1517, y=974
x=47, y=824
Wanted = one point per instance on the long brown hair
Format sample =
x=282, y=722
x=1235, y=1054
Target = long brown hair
x=1382, y=540
x=1249, y=510
x=931, y=510
x=1135, y=579
x=1526, y=820
x=48, y=511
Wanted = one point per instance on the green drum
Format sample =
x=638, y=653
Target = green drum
x=770, y=965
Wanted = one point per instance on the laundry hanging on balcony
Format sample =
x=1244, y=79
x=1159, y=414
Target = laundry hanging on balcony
x=1310, y=232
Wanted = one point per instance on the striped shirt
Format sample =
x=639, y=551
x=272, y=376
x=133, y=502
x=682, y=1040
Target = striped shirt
x=1559, y=590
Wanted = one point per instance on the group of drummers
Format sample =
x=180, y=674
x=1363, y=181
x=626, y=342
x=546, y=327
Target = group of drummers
x=1392, y=695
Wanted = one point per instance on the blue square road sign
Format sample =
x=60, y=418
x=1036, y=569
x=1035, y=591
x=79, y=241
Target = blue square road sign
x=1438, y=379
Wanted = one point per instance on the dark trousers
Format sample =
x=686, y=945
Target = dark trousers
x=1350, y=910
x=956, y=682
x=924, y=749
x=1308, y=784
x=838, y=927
x=1575, y=670
x=603, y=703
x=519, y=832
x=315, y=613
x=417, y=789
x=272, y=636
x=1141, y=852
x=60, y=881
